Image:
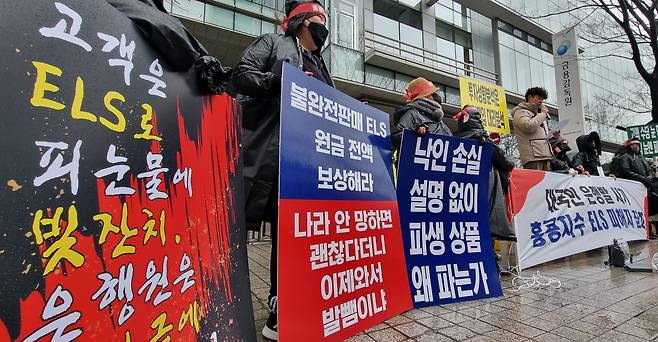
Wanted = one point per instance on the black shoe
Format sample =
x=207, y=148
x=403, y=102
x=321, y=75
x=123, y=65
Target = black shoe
x=271, y=328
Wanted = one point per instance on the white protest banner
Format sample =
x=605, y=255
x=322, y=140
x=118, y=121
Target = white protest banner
x=557, y=215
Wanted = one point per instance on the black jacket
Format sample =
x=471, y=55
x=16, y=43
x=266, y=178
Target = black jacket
x=561, y=163
x=473, y=128
x=636, y=168
x=587, y=156
x=422, y=111
x=257, y=79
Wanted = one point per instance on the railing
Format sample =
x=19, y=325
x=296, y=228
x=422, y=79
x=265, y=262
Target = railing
x=377, y=42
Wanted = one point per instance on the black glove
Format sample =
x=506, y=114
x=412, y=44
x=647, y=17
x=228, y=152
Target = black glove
x=212, y=76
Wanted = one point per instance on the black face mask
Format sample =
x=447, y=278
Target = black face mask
x=319, y=33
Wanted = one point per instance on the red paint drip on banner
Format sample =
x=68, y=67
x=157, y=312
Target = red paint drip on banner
x=198, y=226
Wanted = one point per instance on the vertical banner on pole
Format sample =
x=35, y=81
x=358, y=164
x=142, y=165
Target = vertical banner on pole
x=567, y=84
x=340, y=249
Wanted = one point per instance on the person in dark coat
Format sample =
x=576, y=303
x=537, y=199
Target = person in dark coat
x=561, y=162
x=634, y=167
x=589, y=150
x=422, y=112
x=257, y=79
x=469, y=121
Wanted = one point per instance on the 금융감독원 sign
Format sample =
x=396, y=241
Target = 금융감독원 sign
x=491, y=101
x=442, y=195
x=340, y=254
x=648, y=135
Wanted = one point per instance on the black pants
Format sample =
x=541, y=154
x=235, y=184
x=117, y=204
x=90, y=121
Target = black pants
x=272, y=216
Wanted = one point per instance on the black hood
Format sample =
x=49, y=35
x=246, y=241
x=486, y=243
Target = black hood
x=474, y=122
x=584, y=141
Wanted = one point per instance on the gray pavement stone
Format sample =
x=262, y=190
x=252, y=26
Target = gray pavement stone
x=572, y=334
x=457, y=333
x=504, y=335
x=618, y=336
x=412, y=329
x=594, y=304
x=435, y=323
x=641, y=332
x=388, y=334
x=433, y=337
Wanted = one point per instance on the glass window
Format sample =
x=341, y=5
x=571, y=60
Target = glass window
x=521, y=46
x=535, y=52
x=380, y=78
x=388, y=33
x=444, y=13
x=248, y=6
x=537, y=73
x=505, y=39
x=247, y=24
x=346, y=24
x=452, y=96
x=401, y=81
x=410, y=3
x=219, y=16
x=191, y=9
x=446, y=48
x=549, y=81
x=412, y=42
x=268, y=27
x=508, y=68
x=522, y=72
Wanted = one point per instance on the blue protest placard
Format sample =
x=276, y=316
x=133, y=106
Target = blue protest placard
x=443, y=196
x=340, y=248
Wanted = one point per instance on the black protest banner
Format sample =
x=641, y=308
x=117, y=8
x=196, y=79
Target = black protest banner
x=120, y=186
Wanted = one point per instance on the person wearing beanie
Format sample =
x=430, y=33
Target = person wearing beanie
x=257, y=80
x=561, y=162
x=589, y=150
x=422, y=111
x=470, y=126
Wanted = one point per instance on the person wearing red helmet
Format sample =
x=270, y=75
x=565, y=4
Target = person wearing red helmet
x=257, y=80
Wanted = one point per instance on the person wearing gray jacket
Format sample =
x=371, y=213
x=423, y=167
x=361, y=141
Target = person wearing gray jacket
x=422, y=112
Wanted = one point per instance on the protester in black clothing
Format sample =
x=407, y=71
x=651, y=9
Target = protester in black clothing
x=561, y=162
x=469, y=121
x=634, y=167
x=257, y=79
x=589, y=150
x=422, y=112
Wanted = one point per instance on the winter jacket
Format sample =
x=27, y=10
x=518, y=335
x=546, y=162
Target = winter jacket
x=588, y=157
x=636, y=168
x=561, y=163
x=530, y=128
x=473, y=128
x=257, y=79
x=422, y=111
x=164, y=32
x=499, y=176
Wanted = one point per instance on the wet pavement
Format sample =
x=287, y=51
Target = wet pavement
x=594, y=303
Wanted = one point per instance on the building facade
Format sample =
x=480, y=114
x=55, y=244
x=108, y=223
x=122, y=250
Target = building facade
x=378, y=46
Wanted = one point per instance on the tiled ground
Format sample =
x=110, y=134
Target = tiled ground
x=594, y=304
